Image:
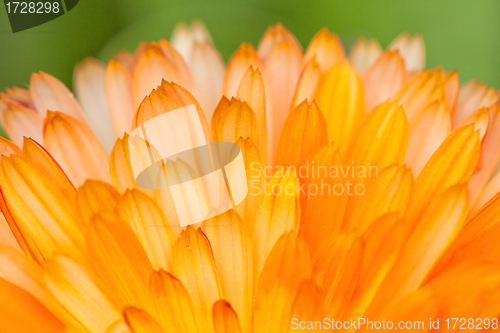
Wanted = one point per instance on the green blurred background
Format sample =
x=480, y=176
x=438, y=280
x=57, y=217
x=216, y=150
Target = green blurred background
x=461, y=34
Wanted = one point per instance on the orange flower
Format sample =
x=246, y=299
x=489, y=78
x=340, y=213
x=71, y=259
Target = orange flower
x=372, y=192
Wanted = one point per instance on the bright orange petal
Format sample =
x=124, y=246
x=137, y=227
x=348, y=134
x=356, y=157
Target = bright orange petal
x=303, y=134
x=232, y=249
x=93, y=197
x=118, y=259
x=251, y=90
x=225, y=319
x=150, y=225
x=336, y=270
x=323, y=204
x=173, y=306
x=452, y=163
x=77, y=291
x=286, y=267
x=340, y=97
x=140, y=321
x=13, y=313
x=195, y=266
x=279, y=213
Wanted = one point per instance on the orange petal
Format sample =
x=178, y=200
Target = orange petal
x=224, y=318
x=383, y=79
x=38, y=211
x=151, y=69
x=325, y=201
x=153, y=106
x=118, y=88
x=340, y=97
x=140, y=321
x=195, y=266
x=251, y=90
x=308, y=82
x=20, y=122
x=88, y=82
x=383, y=138
x=336, y=270
x=150, y=225
x=452, y=163
x=75, y=148
x=49, y=93
x=412, y=49
x=118, y=259
x=382, y=241
x=174, y=308
x=438, y=227
x=256, y=179
x=208, y=71
x=232, y=120
x=427, y=135
x=391, y=192
x=287, y=265
x=364, y=53
x=303, y=134
x=479, y=227
x=326, y=48
x=93, y=197
x=120, y=168
x=419, y=92
x=40, y=158
x=77, y=291
x=13, y=313
x=23, y=272
x=472, y=96
x=232, y=250
x=405, y=312
x=307, y=306
x=243, y=58
x=279, y=213
x=479, y=284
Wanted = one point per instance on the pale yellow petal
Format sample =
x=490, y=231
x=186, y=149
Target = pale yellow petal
x=88, y=82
